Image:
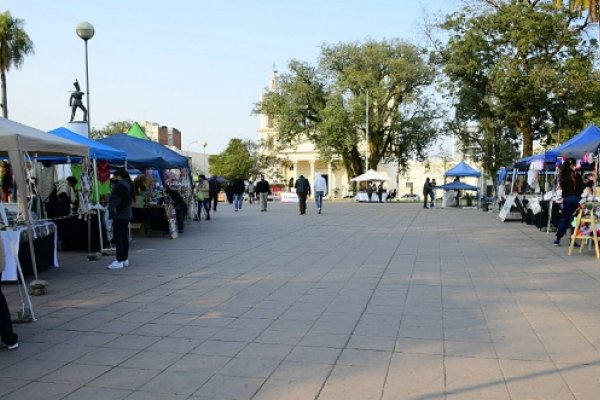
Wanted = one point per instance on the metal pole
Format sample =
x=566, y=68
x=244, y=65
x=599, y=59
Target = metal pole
x=367, y=135
x=87, y=88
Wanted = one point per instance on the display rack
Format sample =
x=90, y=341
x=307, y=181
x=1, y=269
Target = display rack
x=585, y=222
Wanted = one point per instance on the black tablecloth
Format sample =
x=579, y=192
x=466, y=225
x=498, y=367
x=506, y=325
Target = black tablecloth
x=73, y=234
x=152, y=218
x=44, y=254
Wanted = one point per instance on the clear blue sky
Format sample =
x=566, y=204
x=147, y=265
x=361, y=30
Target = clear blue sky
x=195, y=65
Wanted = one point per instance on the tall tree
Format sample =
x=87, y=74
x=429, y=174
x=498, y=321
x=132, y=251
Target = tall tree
x=238, y=159
x=592, y=7
x=111, y=128
x=14, y=46
x=328, y=104
x=522, y=64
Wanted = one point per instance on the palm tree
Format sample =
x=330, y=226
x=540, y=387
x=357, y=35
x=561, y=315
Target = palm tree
x=14, y=46
x=591, y=6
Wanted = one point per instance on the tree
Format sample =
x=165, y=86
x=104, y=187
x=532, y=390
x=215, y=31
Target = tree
x=520, y=66
x=327, y=105
x=578, y=6
x=14, y=46
x=111, y=128
x=238, y=159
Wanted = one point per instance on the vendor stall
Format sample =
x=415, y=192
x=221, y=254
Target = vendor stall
x=160, y=166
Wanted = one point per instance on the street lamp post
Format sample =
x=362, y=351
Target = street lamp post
x=204, y=145
x=85, y=31
x=367, y=134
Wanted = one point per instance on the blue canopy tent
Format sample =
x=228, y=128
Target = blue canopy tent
x=98, y=151
x=462, y=169
x=587, y=141
x=145, y=153
x=457, y=186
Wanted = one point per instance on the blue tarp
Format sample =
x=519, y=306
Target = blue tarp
x=457, y=186
x=587, y=141
x=462, y=169
x=98, y=150
x=146, y=153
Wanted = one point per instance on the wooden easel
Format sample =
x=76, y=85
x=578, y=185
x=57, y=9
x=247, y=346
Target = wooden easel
x=583, y=219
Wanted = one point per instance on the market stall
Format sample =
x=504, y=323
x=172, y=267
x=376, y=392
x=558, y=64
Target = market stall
x=19, y=142
x=158, y=167
x=76, y=233
x=368, y=177
x=461, y=170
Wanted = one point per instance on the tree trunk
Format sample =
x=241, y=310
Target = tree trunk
x=3, y=88
x=527, y=134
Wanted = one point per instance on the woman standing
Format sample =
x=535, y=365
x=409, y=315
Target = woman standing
x=571, y=185
x=119, y=208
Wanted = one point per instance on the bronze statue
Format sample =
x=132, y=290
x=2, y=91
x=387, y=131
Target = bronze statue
x=76, y=102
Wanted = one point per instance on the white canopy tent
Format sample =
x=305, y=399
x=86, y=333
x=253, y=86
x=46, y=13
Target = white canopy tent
x=370, y=175
x=15, y=140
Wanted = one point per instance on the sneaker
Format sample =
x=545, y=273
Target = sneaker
x=319, y=211
x=115, y=265
x=556, y=242
x=13, y=346
x=126, y=263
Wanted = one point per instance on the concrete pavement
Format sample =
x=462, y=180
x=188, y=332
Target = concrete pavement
x=366, y=301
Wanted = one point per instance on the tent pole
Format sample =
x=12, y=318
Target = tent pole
x=16, y=160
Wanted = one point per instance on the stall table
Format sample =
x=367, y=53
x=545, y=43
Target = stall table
x=44, y=244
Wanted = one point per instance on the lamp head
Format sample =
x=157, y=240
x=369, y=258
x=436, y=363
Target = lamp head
x=85, y=30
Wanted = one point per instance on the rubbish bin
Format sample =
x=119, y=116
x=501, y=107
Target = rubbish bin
x=485, y=206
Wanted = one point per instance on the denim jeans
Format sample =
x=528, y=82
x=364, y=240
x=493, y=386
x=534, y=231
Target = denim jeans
x=238, y=199
x=569, y=206
x=319, y=198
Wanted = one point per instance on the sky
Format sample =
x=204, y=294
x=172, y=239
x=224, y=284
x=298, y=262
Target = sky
x=196, y=65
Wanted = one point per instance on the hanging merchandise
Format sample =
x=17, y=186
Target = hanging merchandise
x=103, y=177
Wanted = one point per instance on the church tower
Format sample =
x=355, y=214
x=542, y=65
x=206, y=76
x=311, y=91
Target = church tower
x=266, y=124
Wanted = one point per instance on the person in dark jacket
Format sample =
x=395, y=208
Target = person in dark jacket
x=426, y=190
x=179, y=205
x=571, y=185
x=214, y=188
x=238, y=193
x=303, y=191
x=263, y=190
x=120, y=201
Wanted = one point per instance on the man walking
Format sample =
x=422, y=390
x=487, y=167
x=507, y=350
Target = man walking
x=302, y=190
x=214, y=187
x=238, y=193
x=320, y=190
x=263, y=190
x=426, y=191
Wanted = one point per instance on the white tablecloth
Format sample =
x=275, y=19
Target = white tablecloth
x=362, y=197
x=11, y=241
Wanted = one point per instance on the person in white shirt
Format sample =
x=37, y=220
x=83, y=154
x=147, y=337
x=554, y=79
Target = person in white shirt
x=320, y=188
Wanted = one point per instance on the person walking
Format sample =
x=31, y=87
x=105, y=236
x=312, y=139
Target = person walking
x=238, y=193
x=203, y=197
x=571, y=185
x=263, y=190
x=380, y=192
x=303, y=191
x=119, y=210
x=320, y=190
x=433, y=185
x=426, y=191
x=369, y=191
x=214, y=188
x=250, y=192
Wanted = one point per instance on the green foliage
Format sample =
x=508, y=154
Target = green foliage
x=111, y=128
x=327, y=104
x=240, y=158
x=15, y=44
x=519, y=67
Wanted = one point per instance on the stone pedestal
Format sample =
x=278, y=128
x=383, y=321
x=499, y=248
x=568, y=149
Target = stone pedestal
x=80, y=127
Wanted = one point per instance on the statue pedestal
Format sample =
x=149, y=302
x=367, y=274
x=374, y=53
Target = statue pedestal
x=80, y=127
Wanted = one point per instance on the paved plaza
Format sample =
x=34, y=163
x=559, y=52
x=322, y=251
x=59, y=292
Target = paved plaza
x=366, y=301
